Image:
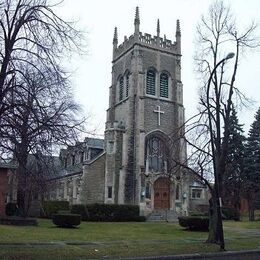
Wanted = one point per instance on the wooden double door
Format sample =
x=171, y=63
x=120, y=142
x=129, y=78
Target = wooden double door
x=162, y=193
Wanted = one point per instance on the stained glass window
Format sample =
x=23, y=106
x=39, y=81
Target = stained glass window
x=156, y=155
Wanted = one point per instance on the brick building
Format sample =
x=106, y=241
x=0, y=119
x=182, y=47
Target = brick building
x=5, y=171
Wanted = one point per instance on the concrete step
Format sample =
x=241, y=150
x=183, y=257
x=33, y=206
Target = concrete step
x=163, y=215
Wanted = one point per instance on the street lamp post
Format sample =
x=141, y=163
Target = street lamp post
x=215, y=166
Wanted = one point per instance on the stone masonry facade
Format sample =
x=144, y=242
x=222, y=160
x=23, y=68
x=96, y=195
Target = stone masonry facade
x=132, y=117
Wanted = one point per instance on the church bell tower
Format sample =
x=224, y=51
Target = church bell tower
x=145, y=109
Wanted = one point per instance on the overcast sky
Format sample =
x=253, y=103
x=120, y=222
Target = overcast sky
x=92, y=73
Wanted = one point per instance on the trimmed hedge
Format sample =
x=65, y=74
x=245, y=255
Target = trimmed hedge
x=66, y=220
x=53, y=207
x=18, y=221
x=108, y=212
x=82, y=210
x=195, y=223
x=198, y=214
x=11, y=209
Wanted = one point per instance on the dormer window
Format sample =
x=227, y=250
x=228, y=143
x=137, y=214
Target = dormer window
x=150, y=82
x=196, y=193
x=164, y=81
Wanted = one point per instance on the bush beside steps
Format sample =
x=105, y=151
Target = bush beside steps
x=108, y=212
x=67, y=220
x=195, y=223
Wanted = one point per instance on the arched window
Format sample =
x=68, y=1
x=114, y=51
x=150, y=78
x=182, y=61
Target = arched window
x=164, y=85
x=121, y=88
x=127, y=85
x=150, y=82
x=156, y=155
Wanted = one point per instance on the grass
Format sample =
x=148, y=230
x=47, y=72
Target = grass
x=96, y=240
x=242, y=224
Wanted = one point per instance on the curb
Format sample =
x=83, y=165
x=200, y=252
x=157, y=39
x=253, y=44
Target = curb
x=253, y=254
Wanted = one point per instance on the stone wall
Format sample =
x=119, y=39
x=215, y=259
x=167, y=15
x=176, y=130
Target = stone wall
x=93, y=186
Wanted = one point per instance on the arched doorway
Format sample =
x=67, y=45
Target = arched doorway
x=162, y=193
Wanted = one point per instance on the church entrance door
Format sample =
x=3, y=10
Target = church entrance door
x=162, y=193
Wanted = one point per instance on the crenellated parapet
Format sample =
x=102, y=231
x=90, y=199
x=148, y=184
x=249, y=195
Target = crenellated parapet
x=147, y=40
x=156, y=41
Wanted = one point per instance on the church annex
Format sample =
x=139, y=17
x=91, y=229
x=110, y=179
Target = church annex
x=135, y=163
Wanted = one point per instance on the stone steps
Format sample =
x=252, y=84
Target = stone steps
x=163, y=215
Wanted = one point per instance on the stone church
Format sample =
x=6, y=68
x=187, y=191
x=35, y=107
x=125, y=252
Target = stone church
x=135, y=163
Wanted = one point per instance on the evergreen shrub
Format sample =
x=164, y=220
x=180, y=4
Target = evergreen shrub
x=66, y=220
x=54, y=206
x=194, y=223
x=80, y=209
x=108, y=212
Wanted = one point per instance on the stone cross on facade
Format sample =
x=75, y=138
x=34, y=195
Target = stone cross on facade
x=159, y=114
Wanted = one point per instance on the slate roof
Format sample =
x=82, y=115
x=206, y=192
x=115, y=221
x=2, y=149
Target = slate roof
x=95, y=142
x=70, y=170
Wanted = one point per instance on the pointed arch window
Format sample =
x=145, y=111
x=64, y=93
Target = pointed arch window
x=164, y=88
x=121, y=88
x=127, y=85
x=156, y=155
x=150, y=82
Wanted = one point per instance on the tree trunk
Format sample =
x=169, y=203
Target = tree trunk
x=23, y=184
x=215, y=235
x=251, y=211
x=22, y=198
x=251, y=215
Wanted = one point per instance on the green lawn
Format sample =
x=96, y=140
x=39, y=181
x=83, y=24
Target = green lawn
x=95, y=240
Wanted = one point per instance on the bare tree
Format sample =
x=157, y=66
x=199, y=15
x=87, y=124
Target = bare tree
x=36, y=106
x=207, y=133
x=31, y=36
x=43, y=116
x=216, y=34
